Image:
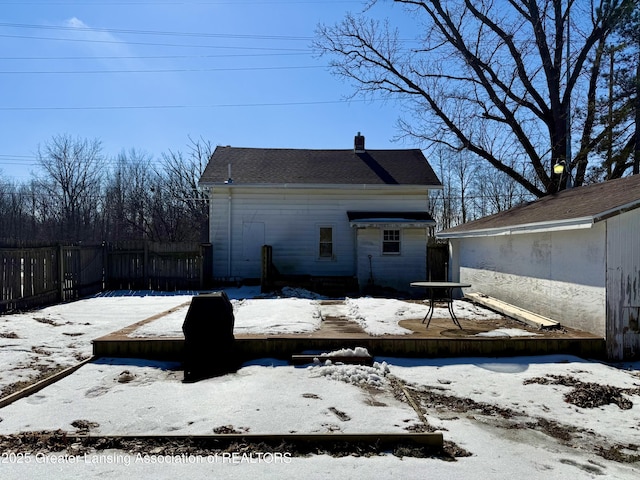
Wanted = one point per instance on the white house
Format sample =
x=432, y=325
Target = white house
x=351, y=213
x=573, y=257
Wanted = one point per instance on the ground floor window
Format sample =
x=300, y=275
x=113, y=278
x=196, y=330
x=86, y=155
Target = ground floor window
x=391, y=242
x=326, y=242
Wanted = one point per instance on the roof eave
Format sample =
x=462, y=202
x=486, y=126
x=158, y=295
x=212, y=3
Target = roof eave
x=538, y=227
x=331, y=186
x=617, y=210
x=392, y=223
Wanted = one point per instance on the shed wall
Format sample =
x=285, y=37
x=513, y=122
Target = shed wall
x=623, y=285
x=560, y=274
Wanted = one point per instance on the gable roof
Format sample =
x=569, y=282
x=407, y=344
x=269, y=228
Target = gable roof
x=276, y=166
x=578, y=207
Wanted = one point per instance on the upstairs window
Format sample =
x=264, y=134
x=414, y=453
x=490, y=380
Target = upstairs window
x=391, y=242
x=326, y=242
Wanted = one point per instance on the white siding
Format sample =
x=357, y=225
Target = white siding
x=623, y=285
x=560, y=275
x=395, y=271
x=292, y=218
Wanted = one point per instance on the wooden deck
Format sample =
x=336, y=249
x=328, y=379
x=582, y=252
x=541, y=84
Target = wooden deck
x=441, y=339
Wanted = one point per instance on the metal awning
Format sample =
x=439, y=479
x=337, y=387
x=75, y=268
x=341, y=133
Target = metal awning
x=391, y=219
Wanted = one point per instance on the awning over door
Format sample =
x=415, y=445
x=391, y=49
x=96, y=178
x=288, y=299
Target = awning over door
x=391, y=219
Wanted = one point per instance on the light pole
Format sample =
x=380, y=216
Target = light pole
x=564, y=166
x=568, y=93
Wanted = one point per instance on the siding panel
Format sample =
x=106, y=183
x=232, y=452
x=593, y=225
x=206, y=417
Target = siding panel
x=395, y=271
x=623, y=285
x=559, y=275
x=292, y=218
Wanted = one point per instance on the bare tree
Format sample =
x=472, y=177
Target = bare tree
x=619, y=109
x=186, y=203
x=465, y=171
x=74, y=197
x=158, y=200
x=469, y=190
x=444, y=205
x=13, y=215
x=129, y=191
x=496, y=192
x=71, y=185
x=116, y=226
x=482, y=70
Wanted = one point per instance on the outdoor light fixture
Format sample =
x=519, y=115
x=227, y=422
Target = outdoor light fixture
x=558, y=168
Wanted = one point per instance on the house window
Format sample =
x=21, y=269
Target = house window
x=326, y=242
x=391, y=242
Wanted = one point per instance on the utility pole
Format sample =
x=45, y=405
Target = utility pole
x=567, y=172
x=610, y=115
x=636, y=149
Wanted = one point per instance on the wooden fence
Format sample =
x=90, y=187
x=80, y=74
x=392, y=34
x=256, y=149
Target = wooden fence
x=35, y=276
x=157, y=266
x=438, y=261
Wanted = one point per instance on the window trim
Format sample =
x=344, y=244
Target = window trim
x=321, y=243
x=391, y=242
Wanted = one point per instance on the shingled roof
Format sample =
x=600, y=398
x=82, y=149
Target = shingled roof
x=572, y=208
x=276, y=166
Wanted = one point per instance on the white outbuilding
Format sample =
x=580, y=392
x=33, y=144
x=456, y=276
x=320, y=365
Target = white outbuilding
x=573, y=257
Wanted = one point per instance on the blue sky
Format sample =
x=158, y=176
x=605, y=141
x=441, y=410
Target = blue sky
x=148, y=74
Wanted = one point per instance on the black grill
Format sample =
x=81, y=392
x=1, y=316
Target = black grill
x=208, y=335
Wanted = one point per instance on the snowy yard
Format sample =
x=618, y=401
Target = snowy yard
x=302, y=315
x=526, y=417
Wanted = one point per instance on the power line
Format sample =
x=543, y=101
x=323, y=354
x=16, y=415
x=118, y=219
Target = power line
x=156, y=32
x=93, y=30
x=7, y=159
x=156, y=3
x=153, y=44
x=168, y=70
x=156, y=57
x=175, y=107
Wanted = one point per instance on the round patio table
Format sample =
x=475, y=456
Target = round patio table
x=432, y=289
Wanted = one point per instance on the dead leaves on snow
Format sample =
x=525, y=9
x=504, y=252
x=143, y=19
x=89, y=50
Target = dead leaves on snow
x=589, y=394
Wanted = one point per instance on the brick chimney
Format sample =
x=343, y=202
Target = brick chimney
x=358, y=143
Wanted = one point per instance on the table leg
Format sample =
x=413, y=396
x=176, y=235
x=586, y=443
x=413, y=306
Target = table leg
x=450, y=307
x=431, y=307
x=432, y=303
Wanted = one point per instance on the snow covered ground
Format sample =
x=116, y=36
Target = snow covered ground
x=381, y=316
x=524, y=417
x=252, y=316
x=377, y=316
x=61, y=335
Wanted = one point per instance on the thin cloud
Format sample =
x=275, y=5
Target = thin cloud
x=99, y=43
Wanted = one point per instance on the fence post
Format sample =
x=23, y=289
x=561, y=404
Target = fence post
x=60, y=273
x=145, y=264
x=201, y=248
x=207, y=264
x=267, y=268
x=105, y=266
